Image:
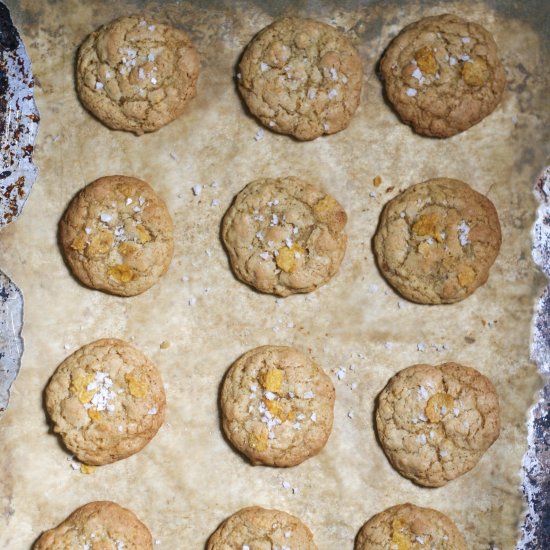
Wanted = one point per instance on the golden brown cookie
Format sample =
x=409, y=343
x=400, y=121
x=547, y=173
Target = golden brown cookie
x=436, y=422
x=106, y=401
x=103, y=525
x=437, y=241
x=284, y=236
x=301, y=77
x=117, y=235
x=443, y=75
x=254, y=528
x=136, y=74
x=277, y=406
x=410, y=527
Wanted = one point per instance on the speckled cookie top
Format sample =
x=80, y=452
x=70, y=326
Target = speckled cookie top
x=437, y=240
x=301, y=77
x=443, y=75
x=410, y=527
x=106, y=401
x=284, y=236
x=256, y=528
x=136, y=74
x=98, y=525
x=277, y=406
x=435, y=422
x=117, y=235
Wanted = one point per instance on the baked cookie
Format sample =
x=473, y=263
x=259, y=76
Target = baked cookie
x=437, y=241
x=443, y=75
x=277, y=406
x=410, y=527
x=136, y=74
x=301, y=77
x=103, y=525
x=435, y=422
x=106, y=400
x=254, y=528
x=284, y=236
x=117, y=236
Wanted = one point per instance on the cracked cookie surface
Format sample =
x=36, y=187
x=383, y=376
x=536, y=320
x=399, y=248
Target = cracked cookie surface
x=284, y=236
x=103, y=525
x=301, y=77
x=277, y=406
x=435, y=422
x=106, y=401
x=117, y=236
x=443, y=75
x=256, y=528
x=136, y=74
x=437, y=240
x=410, y=527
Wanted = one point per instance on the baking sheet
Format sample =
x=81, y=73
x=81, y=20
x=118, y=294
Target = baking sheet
x=188, y=479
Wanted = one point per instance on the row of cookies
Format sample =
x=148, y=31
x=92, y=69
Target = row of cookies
x=107, y=525
x=297, y=76
x=435, y=243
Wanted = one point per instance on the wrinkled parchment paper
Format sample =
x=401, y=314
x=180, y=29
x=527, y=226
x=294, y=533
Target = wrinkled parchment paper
x=188, y=479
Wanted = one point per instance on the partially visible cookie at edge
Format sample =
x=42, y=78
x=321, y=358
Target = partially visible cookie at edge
x=284, y=236
x=251, y=527
x=436, y=422
x=407, y=526
x=277, y=406
x=136, y=74
x=100, y=524
x=437, y=240
x=106, y=401
x=117, y=235
x=443, y=75
x=301, y=77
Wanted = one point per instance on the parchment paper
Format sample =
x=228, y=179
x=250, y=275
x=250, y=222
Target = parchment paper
x=188, y=479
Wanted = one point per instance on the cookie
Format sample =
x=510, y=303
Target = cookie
x=103, y=525
x=284, y=236
x=435, y=422
x=437, y=241
x=106, y=401
x=117, y=236
x=136, y=74
x=277, y=406
x=408, y=527
x=301, y=77
x=254, y=528
x=443, y=75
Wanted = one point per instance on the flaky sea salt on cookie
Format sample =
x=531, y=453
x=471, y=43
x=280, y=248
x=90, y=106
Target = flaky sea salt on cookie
x=103, y=525
x=277, y=406
x=301, y=77
x=436, y=422
x=284, y=236
x=106, y=401
x=254, y=528
x=117, y=236
x=410, y=527
x=136, y=74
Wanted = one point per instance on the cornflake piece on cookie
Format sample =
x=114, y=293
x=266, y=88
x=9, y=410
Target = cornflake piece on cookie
x=443, y=249
x=301, y=77
x=117, y=236
x=420, y=418
x=101, y=524
x=407, y=526
x=287, y=418
x=134, y=77
x=249, y=528
x=450, y=83
x=106, y=401
x=284, y=236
